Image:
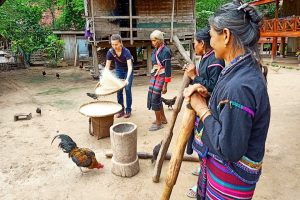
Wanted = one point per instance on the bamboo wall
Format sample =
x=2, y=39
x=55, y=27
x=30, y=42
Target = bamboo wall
x=153, y=14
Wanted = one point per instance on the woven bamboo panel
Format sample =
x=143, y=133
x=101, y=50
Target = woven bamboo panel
x=183, y=8
x=105, y=5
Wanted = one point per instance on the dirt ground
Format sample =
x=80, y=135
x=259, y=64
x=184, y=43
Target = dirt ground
x=31, y=168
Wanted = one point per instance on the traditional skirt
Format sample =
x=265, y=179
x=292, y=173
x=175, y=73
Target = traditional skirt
x=154, y=93
x=217, y=182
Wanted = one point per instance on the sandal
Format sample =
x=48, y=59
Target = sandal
x=155, y=127
x=192, y=193
x=163, y=122
x=197, y=172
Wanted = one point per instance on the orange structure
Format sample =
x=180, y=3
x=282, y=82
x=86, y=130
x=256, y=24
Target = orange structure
x=286, y=26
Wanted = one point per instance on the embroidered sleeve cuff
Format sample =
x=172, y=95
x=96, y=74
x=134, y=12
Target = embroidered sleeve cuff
x=168, y=79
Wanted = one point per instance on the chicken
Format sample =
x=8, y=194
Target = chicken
x=156, y=150
x=82, y=157
x=39, y=111
x=57, y=75
x=169, y=102
x=44, y=73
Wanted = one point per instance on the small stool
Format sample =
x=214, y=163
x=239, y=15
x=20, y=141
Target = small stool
x=100, y=126
x=22, y=116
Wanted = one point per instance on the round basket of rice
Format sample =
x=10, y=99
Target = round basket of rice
x=100, y=108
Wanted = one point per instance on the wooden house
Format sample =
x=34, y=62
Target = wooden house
x=285, y=26
x=134, y=20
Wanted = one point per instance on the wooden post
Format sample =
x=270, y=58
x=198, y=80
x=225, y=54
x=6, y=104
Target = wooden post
x=168, y=137
x=172, y=21
x=149, y=60
x=95, y=61
x=282, y=47
x=86, y=11
x=274, y=49
x=176, y=160
x=76, y=54
x=93, y=22
x=130, y=21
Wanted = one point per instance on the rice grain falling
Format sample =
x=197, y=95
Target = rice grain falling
x=108, y=83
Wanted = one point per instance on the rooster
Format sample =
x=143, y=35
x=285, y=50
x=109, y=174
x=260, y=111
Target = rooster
x=169, y=102
x=82, y=157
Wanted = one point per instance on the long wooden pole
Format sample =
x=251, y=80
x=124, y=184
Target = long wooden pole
x=145, y=155
x=176, y=160
x=130, y=21
x=168, y=137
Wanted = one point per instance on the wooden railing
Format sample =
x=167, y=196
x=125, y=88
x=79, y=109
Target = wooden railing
x=281, y=27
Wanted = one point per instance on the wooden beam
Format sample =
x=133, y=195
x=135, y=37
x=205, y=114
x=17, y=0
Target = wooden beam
x=280, y=34
x=93, y=23
x=95, y=61
x=172, y=21
x=149, y=59
x=261, y=2
x=86, y=10
x=130, y=21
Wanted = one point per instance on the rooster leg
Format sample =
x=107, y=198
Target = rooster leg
x=82, y=171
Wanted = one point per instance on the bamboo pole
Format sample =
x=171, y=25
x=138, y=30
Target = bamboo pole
x=168, y=137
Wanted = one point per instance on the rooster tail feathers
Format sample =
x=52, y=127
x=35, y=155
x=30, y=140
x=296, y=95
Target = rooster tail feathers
x=66, y=143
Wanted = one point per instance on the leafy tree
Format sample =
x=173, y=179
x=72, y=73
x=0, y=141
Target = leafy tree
x=20, y=24
x=206, y=8
x=54, y=48
x=71, y=17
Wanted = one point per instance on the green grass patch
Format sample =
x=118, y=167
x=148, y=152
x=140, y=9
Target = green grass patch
x=54, y=91
x=63, y=104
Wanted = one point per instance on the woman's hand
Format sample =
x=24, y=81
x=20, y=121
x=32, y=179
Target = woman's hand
x=164, y=89
x=97, y=85
x=190, y=71
x=199, y=104
x=195, y=88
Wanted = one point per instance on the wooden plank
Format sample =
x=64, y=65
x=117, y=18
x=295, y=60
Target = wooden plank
x=261, y=2
x=280, y=34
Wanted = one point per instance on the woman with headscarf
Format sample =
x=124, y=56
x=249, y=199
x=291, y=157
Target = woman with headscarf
x=160, y=77
x=237, y=117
